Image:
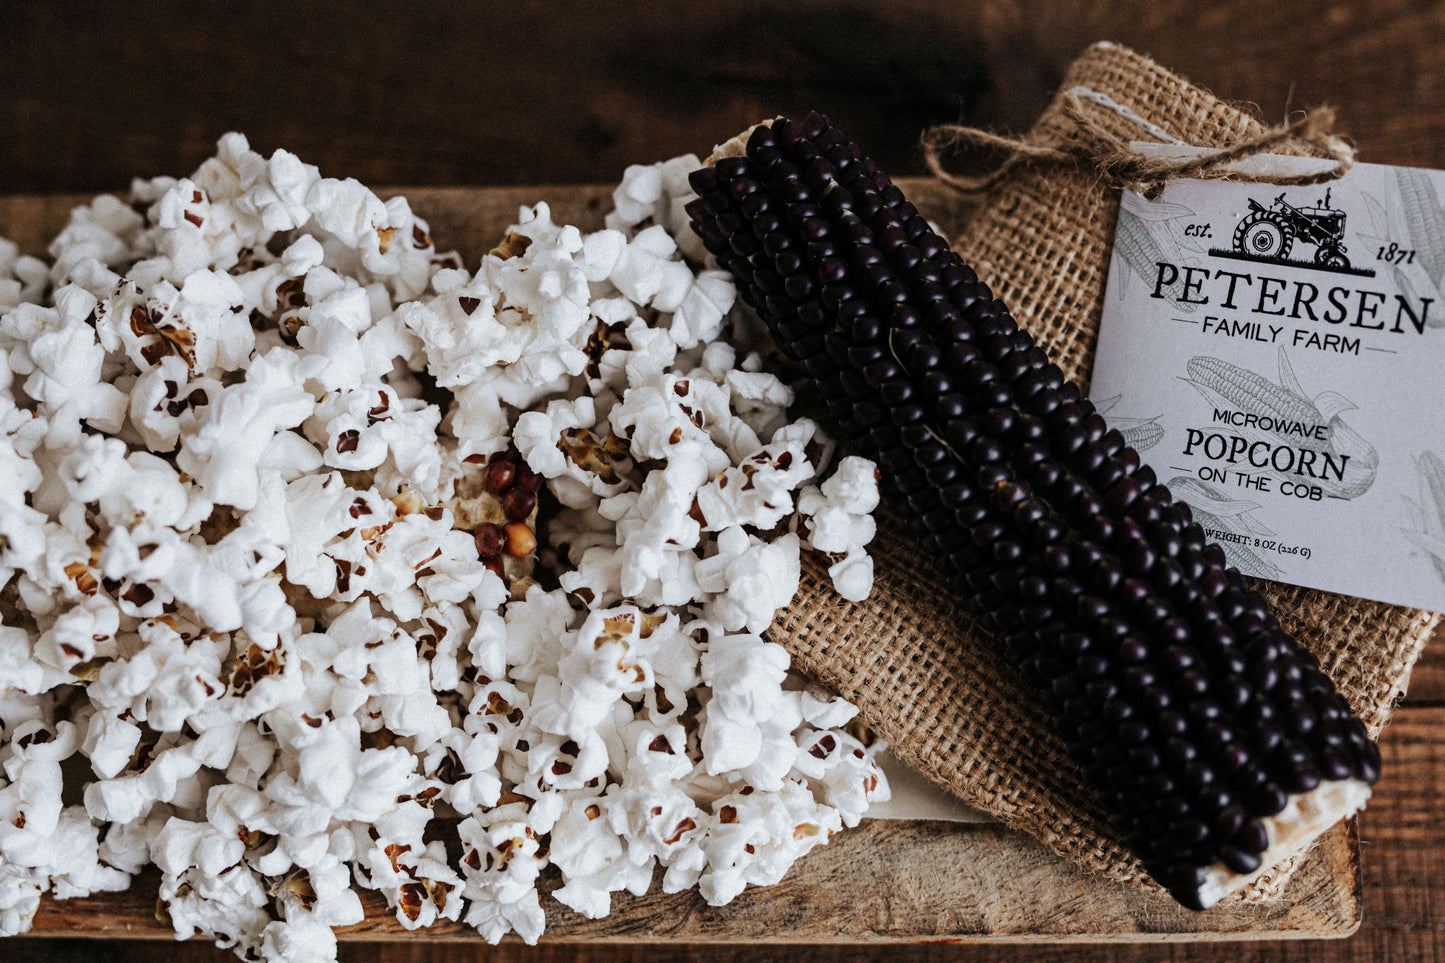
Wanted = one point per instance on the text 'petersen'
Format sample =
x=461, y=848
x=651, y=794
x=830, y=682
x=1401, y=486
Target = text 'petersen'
x=1295, y=299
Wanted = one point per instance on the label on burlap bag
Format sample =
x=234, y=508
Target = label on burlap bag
x=1277, y=356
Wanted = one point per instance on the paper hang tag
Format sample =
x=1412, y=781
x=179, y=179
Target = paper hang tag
x=1277, y=355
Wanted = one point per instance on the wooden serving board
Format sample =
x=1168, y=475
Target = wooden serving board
x=886, y=881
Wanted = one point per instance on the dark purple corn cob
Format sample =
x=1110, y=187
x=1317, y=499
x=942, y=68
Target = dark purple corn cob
x=1213, y=740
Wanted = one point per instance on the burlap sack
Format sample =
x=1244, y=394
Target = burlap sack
x=923, y=676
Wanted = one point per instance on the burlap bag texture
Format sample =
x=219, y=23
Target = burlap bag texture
x=911, y=657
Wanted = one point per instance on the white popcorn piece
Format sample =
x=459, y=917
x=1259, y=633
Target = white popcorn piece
x=282, y=203
x=22, y=278
x=332, y=354
x=78, y=633
x=699, y=315
x=105, y=231
x=589, y=853
x=110, y=741
x=19, y=902
x=635, y=199
x=168, y=680
x=658, y=194
x=230, y=908
x=561, y=445
x=30, y=805
x=22, y=526
x=839, y=522
x=183, y=844
x=756, y=837
x=842, y=771
x=213, y=308
x=161, y=398
x=758, y=492
x=304, y=940
x=600, y=253
x=751, y=579
x=18, y=672
x=63, y=361
x=648, y=273
x=650, y=355
x=232, y=437
x=852, y=575
x=745, y=675
x=345, y=209
x=657, y=415
x=74, y=859
x=500, y=864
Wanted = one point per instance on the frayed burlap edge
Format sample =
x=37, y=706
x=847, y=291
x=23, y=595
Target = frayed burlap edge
x=923, y=676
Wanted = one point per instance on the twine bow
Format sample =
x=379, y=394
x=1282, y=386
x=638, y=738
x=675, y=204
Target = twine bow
x=1121, y=165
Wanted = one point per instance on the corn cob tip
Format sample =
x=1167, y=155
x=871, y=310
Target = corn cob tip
x=734, y=147
x=1291, y=832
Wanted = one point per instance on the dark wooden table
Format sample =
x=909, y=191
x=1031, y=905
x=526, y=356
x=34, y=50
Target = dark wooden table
x=94, y=93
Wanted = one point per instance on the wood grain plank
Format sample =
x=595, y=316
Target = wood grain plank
x=922, y=881
x=452, y=93
x=449, y=92
x=884, y=882
x=466, y=219
x=1404, y=882
x=1427, y=679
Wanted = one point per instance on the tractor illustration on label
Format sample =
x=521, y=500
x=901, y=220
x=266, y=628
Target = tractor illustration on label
x=1267, y=233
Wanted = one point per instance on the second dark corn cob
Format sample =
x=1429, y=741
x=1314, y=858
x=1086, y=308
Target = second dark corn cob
x=1213, y=740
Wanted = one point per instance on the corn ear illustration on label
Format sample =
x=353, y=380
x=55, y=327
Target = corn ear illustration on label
x=1289, y=434
x=1428, y=514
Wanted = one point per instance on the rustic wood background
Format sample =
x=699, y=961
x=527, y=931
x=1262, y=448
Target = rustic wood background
x=565, y=91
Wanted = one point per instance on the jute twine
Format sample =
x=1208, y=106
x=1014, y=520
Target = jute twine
x=1116, y=161
x=911, y=657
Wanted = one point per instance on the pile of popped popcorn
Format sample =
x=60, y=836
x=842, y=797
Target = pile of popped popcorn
x=252, y=635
